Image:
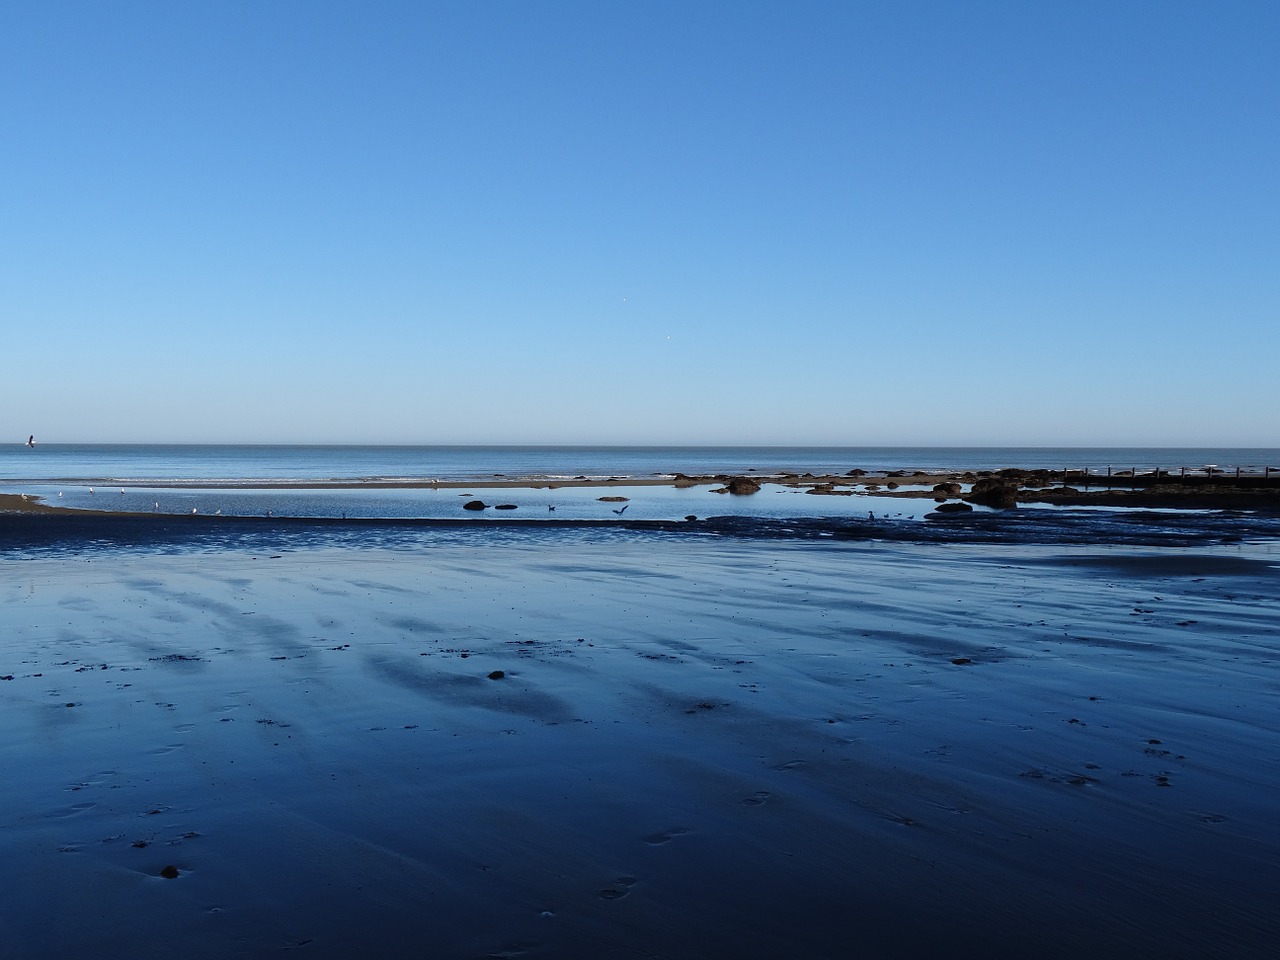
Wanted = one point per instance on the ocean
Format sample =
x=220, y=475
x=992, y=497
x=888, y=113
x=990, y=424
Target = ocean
x=387, y=483
x=239, y=464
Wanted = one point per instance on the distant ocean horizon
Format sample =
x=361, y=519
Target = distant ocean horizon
x=241, y=463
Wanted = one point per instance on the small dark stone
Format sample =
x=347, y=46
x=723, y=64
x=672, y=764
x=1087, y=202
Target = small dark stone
x=474, y=505
x=691, y=517
x=170, y=872
x=505, y=506
x=960, y=661
x=497, y=675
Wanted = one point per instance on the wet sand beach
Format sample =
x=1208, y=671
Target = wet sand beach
x=598, y=742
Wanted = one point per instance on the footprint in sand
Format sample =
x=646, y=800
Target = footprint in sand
x=512, y=950
x=71, y=811
x=757, y=799
x=658, y=839
x=621, y=887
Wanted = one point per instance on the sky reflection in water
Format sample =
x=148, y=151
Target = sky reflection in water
x=570, y=503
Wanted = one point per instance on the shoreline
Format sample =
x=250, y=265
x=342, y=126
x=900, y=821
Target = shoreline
x=1005, y=488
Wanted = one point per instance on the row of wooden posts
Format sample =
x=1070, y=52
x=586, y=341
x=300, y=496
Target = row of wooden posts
x=1157, y=472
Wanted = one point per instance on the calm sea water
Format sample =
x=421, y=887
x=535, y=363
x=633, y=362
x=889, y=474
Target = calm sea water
x=235, y=465
x=204, y=480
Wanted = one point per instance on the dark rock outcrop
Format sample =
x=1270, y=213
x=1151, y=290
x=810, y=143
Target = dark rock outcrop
x=830, y=490
x=742, y=486
x=993, y=492
x=474, y=505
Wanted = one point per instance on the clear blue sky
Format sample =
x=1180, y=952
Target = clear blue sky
x=641, y=222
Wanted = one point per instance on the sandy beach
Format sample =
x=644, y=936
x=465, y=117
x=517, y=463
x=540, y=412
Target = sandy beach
x=582, y=742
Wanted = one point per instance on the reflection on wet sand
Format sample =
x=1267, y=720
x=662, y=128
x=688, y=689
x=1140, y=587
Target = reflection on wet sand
x=605, y=741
